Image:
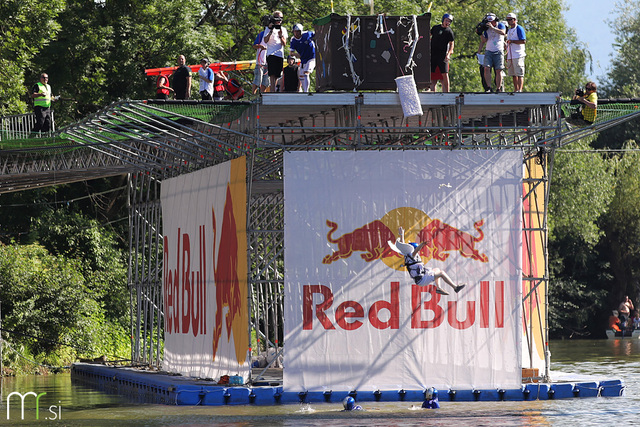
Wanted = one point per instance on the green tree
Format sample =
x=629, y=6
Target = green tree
x=622, y=226
x=74, y=236
x=26, y=26
x=581, y=192
x=41, y=296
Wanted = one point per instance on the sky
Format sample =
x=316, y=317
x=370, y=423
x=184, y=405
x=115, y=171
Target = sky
x=587, y=18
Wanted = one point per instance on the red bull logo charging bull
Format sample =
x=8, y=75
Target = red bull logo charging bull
x=370, y=240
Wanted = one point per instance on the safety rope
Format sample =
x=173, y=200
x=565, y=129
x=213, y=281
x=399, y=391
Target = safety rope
x=393, y=49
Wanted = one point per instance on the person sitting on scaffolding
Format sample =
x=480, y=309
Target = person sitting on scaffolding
x=420, y=274
x=587, y=100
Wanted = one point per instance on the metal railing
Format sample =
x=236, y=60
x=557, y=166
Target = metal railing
x=18, y=126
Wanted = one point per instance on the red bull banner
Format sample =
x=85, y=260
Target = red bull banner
x=355, y=319
x=204, y=273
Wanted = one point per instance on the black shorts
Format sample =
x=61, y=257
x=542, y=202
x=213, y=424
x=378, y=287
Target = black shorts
x=275, y=64
x=439, y=64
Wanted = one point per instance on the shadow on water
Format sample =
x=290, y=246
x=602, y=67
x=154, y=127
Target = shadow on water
x=78, y=405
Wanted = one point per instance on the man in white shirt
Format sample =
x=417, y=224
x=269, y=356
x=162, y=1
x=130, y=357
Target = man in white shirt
x=516, y=39
x=206, y=80
x=275, y=37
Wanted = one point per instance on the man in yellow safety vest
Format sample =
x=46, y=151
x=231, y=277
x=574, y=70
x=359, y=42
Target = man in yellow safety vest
x=41, y=94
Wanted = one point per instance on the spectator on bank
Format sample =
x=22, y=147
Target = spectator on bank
x=624, y=309
x=442, y=42
x=516, y=39
x=42, y=98
x=303, y=46
x=635, y=319
x=493, y=41
x=275, y=37
x=182, y=79
x=260, y=73
x=614, y=321
x=206, y=80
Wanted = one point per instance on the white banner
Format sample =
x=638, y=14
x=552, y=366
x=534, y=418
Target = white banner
x=204, y=272
x=354, y=319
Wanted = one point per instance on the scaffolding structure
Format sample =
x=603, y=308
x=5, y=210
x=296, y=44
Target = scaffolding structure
x=155, y=140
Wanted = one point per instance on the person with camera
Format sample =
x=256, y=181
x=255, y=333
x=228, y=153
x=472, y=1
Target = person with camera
x=589, y=99
x=492, y=39
x=275, y=37
x=442, y=42
x=516, y=39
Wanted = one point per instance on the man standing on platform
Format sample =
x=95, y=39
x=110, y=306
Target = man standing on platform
x=442, y=42
x=260, y=73
x=303, y=46
x=206, y=80
x=493, y=38
x=516, y=39
x=41, y=94
x=182, y=79
x=275, y=37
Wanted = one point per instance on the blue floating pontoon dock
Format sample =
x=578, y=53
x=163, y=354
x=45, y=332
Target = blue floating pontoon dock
x=160, y=387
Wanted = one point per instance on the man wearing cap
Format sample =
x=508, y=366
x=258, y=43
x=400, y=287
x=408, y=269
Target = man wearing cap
x=275, y=37
x=516, y=39
x=441, y=51
x=303, y=46
x=493, y=38
x=206, y=80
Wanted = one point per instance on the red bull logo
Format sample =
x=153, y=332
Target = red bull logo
x=371, y=239
x=428, y=311
x=230, y=270
x=228, y=287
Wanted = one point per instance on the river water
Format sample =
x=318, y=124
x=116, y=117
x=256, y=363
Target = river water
x=74, y=405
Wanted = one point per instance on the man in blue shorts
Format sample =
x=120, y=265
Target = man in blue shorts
x=493, y=38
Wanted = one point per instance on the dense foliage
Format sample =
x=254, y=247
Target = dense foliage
x=63, y=254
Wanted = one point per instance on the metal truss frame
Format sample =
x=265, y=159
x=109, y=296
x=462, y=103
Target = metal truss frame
x=141, y=139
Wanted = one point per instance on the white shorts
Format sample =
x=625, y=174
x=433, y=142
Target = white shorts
x=515, y=66
x=428, y=277
x=307, y=68
x=260, y=76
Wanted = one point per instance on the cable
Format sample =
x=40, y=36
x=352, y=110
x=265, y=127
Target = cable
x=88, y=196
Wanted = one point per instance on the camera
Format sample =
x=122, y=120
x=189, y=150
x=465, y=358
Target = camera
x=482, y=27
x=275, y=23
x=579, y=92
x=265, y=20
